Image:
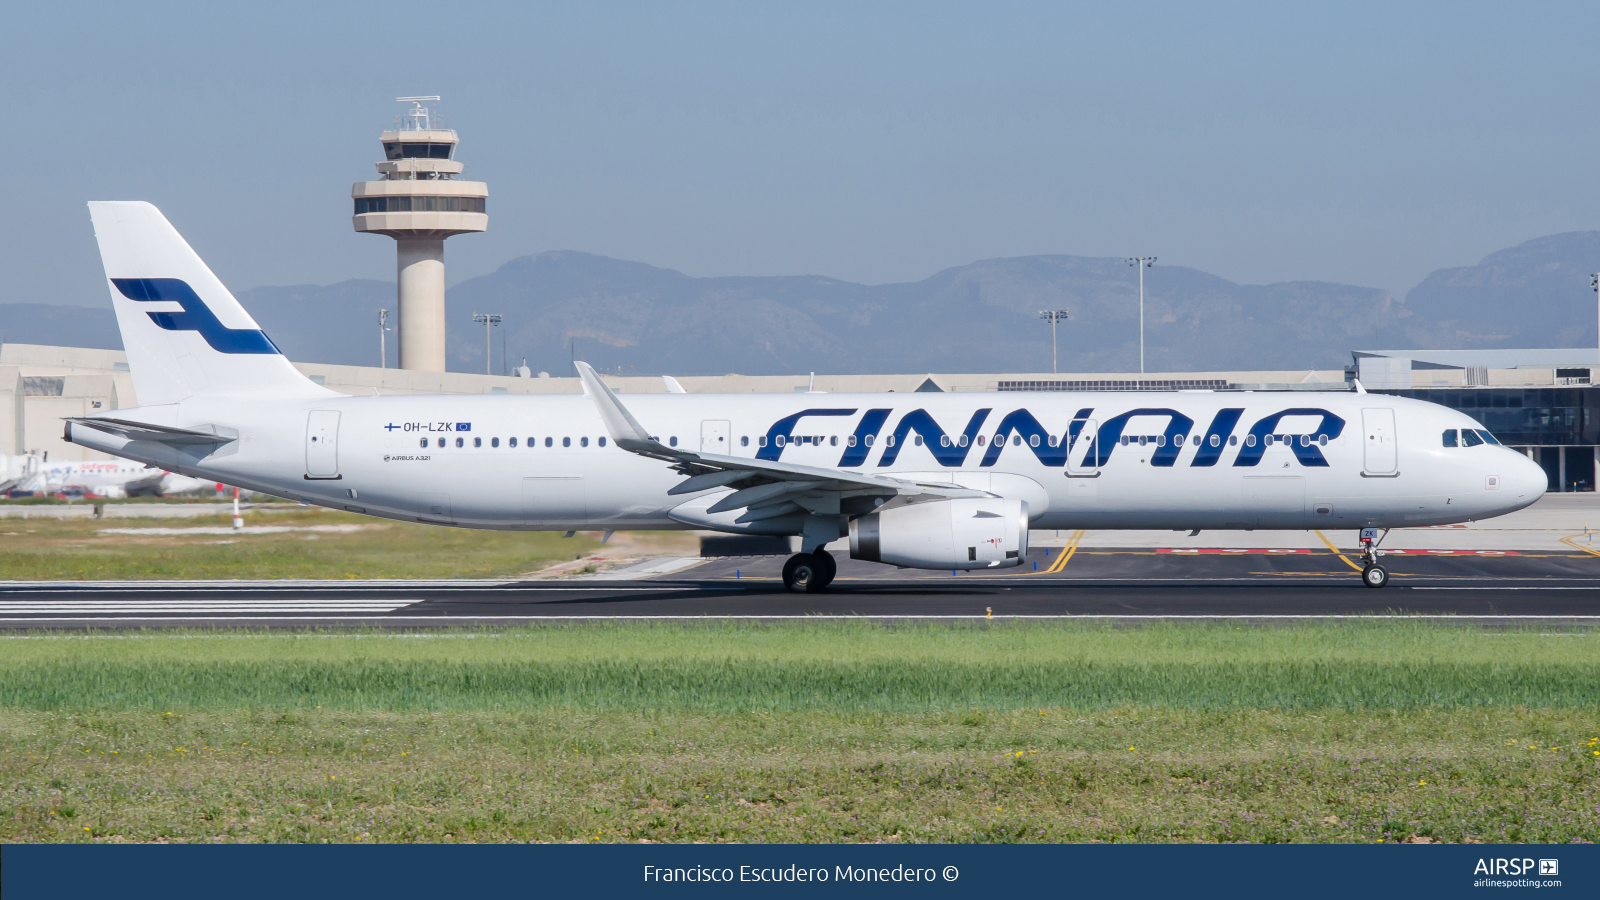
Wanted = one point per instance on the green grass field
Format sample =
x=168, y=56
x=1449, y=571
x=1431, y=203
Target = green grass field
x=50, y=549
x=809, y=732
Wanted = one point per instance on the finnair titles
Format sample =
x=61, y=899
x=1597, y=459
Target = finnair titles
x=936, y=481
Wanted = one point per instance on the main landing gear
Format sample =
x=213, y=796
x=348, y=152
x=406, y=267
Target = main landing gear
x=1373, y=575
x=809, y=573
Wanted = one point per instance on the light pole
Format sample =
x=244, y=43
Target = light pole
x=1052, y=316
x=1141, y=263
x=488, y=321
x=383, y=339
x=1594, y=282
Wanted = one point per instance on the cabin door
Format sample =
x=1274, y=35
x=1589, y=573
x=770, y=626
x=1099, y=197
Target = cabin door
x=322, y=444
x=1382, y=456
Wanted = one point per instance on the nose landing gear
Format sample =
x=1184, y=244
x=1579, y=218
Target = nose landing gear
x=1373, y=575
x=810, y=573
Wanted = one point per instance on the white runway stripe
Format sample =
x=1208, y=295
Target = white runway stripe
x=76, y=607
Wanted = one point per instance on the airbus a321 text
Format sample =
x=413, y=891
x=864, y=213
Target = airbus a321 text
x=935, y=481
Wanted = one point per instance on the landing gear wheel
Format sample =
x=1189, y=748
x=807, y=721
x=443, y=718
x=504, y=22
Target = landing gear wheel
x=802, y=573
x=1375, y=576
x=829, y=568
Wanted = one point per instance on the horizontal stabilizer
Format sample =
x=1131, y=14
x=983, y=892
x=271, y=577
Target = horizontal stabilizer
x=140, y=431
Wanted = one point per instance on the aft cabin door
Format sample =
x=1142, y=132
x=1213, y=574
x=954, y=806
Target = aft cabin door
x=1382, y=453
x=714, y=437
x=322, y=444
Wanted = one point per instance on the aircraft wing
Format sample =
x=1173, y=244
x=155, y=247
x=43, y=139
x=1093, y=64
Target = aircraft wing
x=766, y=488
x=140, y=431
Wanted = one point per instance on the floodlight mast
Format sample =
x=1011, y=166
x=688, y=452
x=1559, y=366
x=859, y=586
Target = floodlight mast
x=383, y=339
x=488, y=321
x=1594, y=282
x=1053, y=316
x=1141, y=263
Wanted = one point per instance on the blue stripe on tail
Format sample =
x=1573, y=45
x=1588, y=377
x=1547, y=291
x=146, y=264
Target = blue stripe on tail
x=196, y=316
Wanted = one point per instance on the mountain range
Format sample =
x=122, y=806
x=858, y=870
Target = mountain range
x=983, y=317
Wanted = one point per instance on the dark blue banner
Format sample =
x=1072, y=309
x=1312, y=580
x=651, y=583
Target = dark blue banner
x=1165, y=871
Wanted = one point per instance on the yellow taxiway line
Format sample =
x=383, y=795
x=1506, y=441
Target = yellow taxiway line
x=1065, y=556
x=1571, y=541
x=1335, y=550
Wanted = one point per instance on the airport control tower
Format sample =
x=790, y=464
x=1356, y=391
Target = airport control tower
x=419, y=201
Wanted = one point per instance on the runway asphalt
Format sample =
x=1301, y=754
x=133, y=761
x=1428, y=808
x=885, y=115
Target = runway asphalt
x=1121, y=584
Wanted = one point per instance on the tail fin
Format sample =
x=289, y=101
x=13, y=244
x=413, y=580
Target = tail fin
x=183, y=332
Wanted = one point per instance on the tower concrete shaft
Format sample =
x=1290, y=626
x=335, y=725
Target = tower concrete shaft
x=419, y=280
x=419, y=201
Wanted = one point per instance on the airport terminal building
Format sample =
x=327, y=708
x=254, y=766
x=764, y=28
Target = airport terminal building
x=1542, y=402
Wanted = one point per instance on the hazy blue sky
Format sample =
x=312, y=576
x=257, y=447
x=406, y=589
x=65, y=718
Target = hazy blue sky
x=875, y=142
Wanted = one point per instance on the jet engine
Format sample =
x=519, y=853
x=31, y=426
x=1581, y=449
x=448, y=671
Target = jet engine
x=981, y=533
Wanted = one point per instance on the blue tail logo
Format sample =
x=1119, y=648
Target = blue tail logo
x=196, y=316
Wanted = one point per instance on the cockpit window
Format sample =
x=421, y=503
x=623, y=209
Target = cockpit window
x=1487, y=437
x=1469, y=438
x=1450, y=437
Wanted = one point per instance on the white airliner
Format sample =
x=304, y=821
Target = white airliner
x=935, y=481
x=104, y=478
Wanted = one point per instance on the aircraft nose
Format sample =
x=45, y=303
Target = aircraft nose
x=1526, y=481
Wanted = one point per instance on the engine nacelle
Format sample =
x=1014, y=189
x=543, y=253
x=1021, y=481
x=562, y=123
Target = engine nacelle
x=981, y=533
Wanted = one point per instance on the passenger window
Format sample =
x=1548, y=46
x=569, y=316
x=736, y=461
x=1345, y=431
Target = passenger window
x=1450, y=437
x=1469, y=438
x=477, y=442
x=440, y=442
x=944, y=440
x=511, y=442
x=549, y=442
x=1033, y=440
x=461, y=442
x=602, y=442
x=1487, y=437
x=424, y=443
x=566, y=442
x=1053, y=440
x=1322, y=440
x=833, y=441
x=1249, y=440
x=761, y=440
x=744, y=440
x=495, y=442
x=673, y=441
x=583, y=442
x=918, y=440
x=1233, y=440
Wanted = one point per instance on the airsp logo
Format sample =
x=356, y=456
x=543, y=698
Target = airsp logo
x=1515, y=867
